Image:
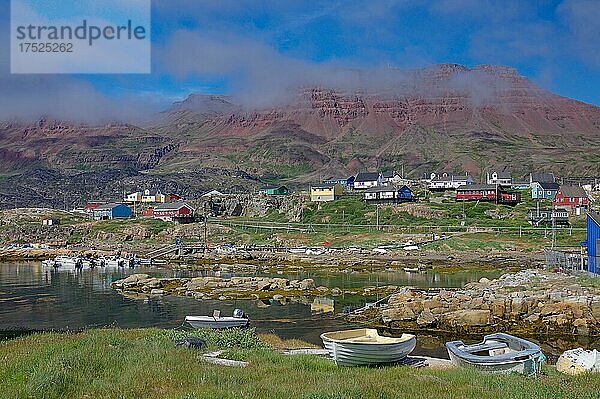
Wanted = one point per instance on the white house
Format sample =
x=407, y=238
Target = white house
x=133, y=197
x=368, y=179
x=500, y=178
x=153, y=196
x=448, y=181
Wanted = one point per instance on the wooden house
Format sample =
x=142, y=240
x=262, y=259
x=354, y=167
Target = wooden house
x=151, y=196
x=572, y=198
x=547, y=216
x=274, y=190
x=544, y=190
x=541, y=177
x=133, y=197
x=112, y=211
x=325, y=192
x=388, y=195
x=367, y=180
x=501, y=178
x=178, y=212
x=592, y=242
x=487, y=192
x=448, y=181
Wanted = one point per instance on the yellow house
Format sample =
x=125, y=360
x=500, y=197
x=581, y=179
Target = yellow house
x=325, y=192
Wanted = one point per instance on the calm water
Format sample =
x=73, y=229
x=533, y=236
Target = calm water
x=36, y=298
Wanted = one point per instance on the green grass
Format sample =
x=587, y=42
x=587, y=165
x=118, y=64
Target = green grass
x=112, y=363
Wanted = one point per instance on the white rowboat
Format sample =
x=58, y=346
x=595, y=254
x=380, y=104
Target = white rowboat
x=498, y=353
x=216, y=321
x=364, y=346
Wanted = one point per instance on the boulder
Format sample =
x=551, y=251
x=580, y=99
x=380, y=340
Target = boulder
x=307, y=284
x=466, y=318
x=426, y=318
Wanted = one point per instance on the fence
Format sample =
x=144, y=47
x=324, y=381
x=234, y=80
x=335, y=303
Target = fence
x=407, y=229
x=566, y=258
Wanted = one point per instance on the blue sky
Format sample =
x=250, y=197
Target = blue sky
x=233, y=46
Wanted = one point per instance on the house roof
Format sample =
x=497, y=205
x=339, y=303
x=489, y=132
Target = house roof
x=549, y=185
x=452, y=177
x=212, y=192
x=542, y=177
x=367, y=176
x=323, y=185
x=595, y=217
x=152, y=192
x=108, y=206
x=172, y=206
x=573, y=191
x=476, y=187
x=502, y=175
x=388, y=175
x=273, y=187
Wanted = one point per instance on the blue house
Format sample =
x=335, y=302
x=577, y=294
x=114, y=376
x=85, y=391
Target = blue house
x=342, y=181
x=544, y=190
x=112, y=211
x=593, y=239
x=405, y=194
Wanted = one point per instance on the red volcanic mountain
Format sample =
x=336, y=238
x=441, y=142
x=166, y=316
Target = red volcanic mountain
x=446, y=117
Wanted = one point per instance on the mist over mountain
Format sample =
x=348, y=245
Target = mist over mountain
x=445, y=117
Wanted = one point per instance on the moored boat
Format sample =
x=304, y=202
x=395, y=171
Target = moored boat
x=364, y=346
x=216, y=321
x=498, y=353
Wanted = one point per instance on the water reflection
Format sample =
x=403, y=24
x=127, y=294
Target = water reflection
x=36, y=298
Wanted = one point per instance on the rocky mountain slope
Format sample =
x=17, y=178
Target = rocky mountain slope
x=447, y=117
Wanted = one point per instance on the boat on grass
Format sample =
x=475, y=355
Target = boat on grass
x=578, y=361
x=498, y=353
x=216, y=321
x=364, y=346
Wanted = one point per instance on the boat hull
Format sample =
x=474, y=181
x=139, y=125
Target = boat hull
x=199, y=322
x=363, y=353
x=505, y=354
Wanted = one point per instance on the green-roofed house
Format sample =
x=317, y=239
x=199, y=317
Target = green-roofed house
x=274, y=190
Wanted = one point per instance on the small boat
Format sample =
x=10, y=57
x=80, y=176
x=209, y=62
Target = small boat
x=410, y=269
x=498, y=353
x=578, y=361
x=239, y=319
x=364, y=346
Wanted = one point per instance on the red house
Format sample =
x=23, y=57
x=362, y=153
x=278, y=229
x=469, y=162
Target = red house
x=174, y=212
x=173, y=197
x=487, y=192
x=148, y=212
x=573, y=198
x=90, y=206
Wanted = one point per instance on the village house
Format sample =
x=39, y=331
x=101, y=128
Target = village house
x=388, y=195
x=592, y=240
x=367, y=180
x=448, y=181
x=325, y=192
x=544, y=190
x=150, y=196
x=547, y=216
x=389, y=178
x=487, y=192
x=541, y=177
x=345, y=182
x=112, y=211
x=501, y=178
x=91, y=205
x=178, y=212
x=521, y=184
x=134, y=197
x=572, y=198
x=274, y=190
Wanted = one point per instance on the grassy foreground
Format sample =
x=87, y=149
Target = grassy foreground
x=114, y=363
